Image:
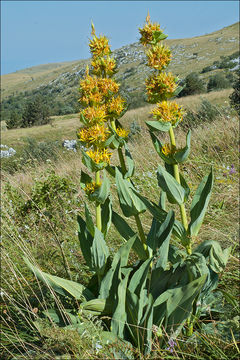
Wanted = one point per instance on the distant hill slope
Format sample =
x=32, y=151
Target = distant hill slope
x=62, y=79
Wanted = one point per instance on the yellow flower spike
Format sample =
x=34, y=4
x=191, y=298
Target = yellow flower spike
x=159, y=56
x=90, y=188
x=100, y=155
x=168, y=112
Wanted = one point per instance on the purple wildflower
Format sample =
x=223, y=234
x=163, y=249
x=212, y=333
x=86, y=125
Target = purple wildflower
x=232, y=170
x=171, y=344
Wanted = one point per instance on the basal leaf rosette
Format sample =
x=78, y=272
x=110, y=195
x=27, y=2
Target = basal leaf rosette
x=160, y=87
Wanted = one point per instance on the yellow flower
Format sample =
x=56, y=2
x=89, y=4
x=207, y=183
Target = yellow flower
x=96, y=114
x=160, y=86
x=167, y=150
x=122, y=132
x=147, y=31
x=168, y=112
x=100, y=155
x=115, y=106
x=99, y=46
x=159, y=57
x=104, y=65
x=94, y=135
x=90, y=188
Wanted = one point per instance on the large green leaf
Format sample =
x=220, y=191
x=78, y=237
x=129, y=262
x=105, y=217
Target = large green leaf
x=168, y=184
x=183, y=183
x=158, y=147
x=200, y=203
x=158, y=125
x=61, y=286
x=132, y=310
x=139, y=278
x=97, y=307
x=119, y=316
x=130, y=204
x=126, y=232
x=177, y=303
x=100, y=194
x=89, y=220
x=109, y=283
x=162, y=241
x=99, y=252
x=215, y=256
x=130, y=163
x=106, y=215
x=182, y=155
x=156, y=210
x=85, y=239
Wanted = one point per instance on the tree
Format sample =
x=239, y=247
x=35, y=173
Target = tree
x=36, y=112
x=192, y=85
x=14, y=121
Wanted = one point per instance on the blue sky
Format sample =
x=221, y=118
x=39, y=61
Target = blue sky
x=40, y=32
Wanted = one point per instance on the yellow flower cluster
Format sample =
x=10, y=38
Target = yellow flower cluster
x=94, y=90
x=160, y=85
x=167, y=150
x=115, y=106
x=122, y=132
x=99, y=46
x=94, y=135
x=96, y=114
x=168, y=112
x=159, y=57
x=147, y=31
x=105, y=65
x=90, y=188
x=100, y=155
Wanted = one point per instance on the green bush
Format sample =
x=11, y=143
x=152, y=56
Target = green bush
x=235, y=96
x=206, y=113
x=218, y=82
x=192, y=85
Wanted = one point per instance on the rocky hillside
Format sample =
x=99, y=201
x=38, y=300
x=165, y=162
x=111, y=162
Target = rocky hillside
x=59, y=82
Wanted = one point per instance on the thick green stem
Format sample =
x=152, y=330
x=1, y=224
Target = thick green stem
x=177, y=177
x=98, y=206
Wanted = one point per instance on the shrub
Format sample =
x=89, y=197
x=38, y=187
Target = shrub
x=218, y=82
x=206, y=113
x=192, y=85
x=235, y=96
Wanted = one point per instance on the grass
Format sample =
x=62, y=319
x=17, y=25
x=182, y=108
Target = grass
x=47, y=240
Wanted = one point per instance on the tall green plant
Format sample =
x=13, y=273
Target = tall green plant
x=161, y=289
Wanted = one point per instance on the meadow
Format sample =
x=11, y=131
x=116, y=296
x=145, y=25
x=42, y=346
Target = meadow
x=41, y=198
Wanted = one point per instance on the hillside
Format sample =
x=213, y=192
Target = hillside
x=60, y=81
